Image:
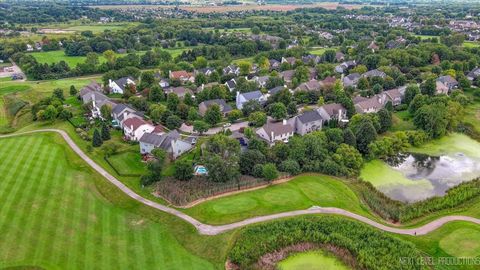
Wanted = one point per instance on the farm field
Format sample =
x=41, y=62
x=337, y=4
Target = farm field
x=300, y=193
x=53, y=216
x=312, y=260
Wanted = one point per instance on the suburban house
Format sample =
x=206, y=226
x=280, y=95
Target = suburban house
x=289, y=60
x=179, y=91
x=351, y=80
x=170, y=142
x=395, y=95
x=311, y=59
x=472, y=75
x=118, y=86
x=161, y=81
x=333, y=111
x=307, y=122
x=181, y=75
x=274, y=64
x=287, y=75
x=245, y=97
x=339, y=56
x=448, y=81
x=273, y=132
x=261, y=81
x=345, y=66
x=369, y=105
x=206, y=86
x=374, y=47
x=231, y=70
x=122, y=112
x=135, y=127
x=374, y=73
x=224, y=107
x=206, y=71
x=276, y=90
x=96, y=99
x=312, y=85
x=328, y=82
x=231, y=84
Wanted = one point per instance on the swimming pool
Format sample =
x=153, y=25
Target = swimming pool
x=200, y=170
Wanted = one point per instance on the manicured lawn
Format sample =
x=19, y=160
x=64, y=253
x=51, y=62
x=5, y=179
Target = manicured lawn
x=128, y=162
x=426, y=36
x=402, y=121
x=471, y=44
x=47, y=86
x=57, y=56
x=174, y=52
x=312, y=260
x=321, y=51
x=99, y=28
x=3, y=113
x=300, y=193
x=451, y=144
x=53, y=215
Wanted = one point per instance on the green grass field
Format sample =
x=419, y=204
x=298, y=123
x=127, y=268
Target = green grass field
x=300, y=193
x=128, y=162
x=53, y=216
x=3, y=113
x=311, y=260
x=57, y=56
x=471, y=44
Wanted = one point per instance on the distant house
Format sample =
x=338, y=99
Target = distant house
x=231, y=84
x=231, y=70
x=274, y=64
x=289, y=60
x=345, y=66
x=370, y=105
x=245, y=97
x=161, y=80
x=180, y=91
x=472, y=75
x=287, y=75
x=448, y=81
x=307, y=122
x=134, y=128
x=395, y=95
x=441, y=88
x=118, y=86
x=224, y=107
x=261, y=81
x=170, y=142
x=374, y=73
x=312, y=85
x=97, y=99
x=311, y=59
x=181, y=75
x=276, y=90
x=328, y=82
x=333, y=111
x=273, y=132
x=374, y=47
x=206, y=71
x=339, y=56
x=206, y=86
x=351, y=80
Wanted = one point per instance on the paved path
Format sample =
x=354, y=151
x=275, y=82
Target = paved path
x=213, y=230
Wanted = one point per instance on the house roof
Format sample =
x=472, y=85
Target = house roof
x=447, y=79
x=179, y=91
x=180, y=74
x=222, y=103
x=231, y=83
x=333, y=108
x=122, y=82
x=252, y=95
x=474, y=73
x=310, y=116
x=162, y=141
x=277, y=128
x=287, y=74
x=120, y=107
x=309, y=86
x=373, y=102
x=134, y=122
x=374, y=73
x=395, y=93
x=275, y=90
x=328, y=81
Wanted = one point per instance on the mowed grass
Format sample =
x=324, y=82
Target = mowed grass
x=312, y=260
x=57, y=56
x=3, y=113
x=53, y=216
x=300, y=193
x=128, y=162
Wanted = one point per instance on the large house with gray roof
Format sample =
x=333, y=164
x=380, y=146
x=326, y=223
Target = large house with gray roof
x=351, y=80
x=92, y=95
x=170, y=142
x=333, y=111
x=245, y=97
x=118, y=86
x=273, y=132
x=374, y=73
x=224, y=107
x=307, y=122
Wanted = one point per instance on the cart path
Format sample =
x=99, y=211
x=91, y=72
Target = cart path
x=207, y=229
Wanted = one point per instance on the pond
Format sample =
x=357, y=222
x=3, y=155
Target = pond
x=312, y=260
x=426, y=172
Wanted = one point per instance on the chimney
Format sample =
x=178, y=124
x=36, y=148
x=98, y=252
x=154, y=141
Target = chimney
x=124, y=116
x=272, y=136
x=284, y=121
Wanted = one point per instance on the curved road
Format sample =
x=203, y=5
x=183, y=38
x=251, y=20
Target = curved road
x=213, y=230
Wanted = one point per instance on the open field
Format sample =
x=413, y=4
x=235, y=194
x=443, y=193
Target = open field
x=312, y=260
x=54, y=217
x=471, y=44
x=301, y=193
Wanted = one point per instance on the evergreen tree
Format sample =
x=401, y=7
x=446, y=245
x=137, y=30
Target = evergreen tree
x=73, y=90
x=97, y=139
x=105, y=133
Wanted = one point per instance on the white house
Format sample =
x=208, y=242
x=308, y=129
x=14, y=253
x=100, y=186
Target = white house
x=118, y=86
x=273, y=132
x=134, y=128
x=170, y=142
x=245, y=97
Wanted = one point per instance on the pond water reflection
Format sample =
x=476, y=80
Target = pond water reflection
x=442, y=173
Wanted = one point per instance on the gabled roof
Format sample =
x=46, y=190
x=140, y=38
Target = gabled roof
x=162, y=141
x=220, y=102
x=134, y=122
x=252, y=95
x=374, y=73
x=287, y=74
x=122, y=82
x=333, y=108
x=180, y=74
x=447, y=79
x=310, y=116
x=231, y=84
x=120, y=107
x=275, y=90
x=277, y=128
